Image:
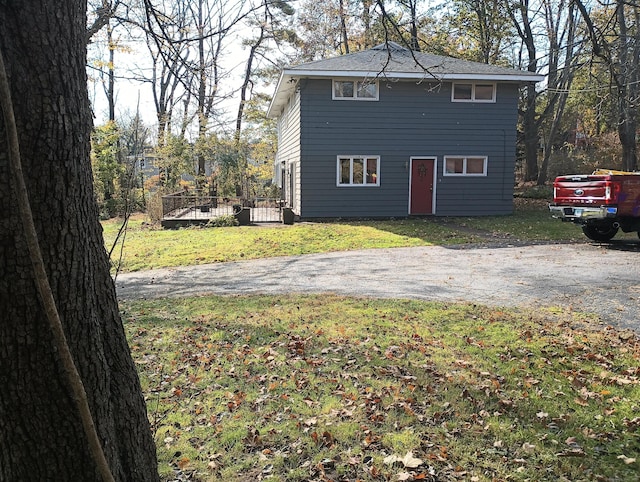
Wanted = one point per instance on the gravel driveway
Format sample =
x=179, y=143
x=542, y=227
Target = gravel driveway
x=588, y=277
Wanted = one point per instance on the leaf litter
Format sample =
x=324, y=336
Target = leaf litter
x=341, y=389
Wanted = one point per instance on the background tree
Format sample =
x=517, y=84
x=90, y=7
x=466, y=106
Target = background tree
x=115, y=152
x=192, y=37
x=564, y=53
x=165, y=34
x=479, y=30
x=523, y=18
x=320, y=34
x=41, y=437
x=410, y=8
x=262, y=143
x=269, y=25
x=108, y=167
x=103, y=25
x=616, y=43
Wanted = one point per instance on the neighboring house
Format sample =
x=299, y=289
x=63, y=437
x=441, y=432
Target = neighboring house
x=388, y=132
x=145, y=164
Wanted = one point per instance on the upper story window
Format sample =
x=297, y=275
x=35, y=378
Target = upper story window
x=473, y=92
x=358, y=171
x=465, y=166
x=355, y=90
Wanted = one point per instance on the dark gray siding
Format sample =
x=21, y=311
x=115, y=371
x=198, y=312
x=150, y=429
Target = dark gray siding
x=289, y=150
x=408, y=120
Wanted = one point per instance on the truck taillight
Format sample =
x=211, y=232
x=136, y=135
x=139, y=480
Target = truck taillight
x=612, y=190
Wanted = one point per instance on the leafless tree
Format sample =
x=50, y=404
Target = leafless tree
x=564, y=52
x=523, y=20
x=616, y=42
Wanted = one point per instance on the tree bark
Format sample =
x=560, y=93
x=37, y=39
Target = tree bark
x=41, y=437
x=111, y=86
x=626, y=81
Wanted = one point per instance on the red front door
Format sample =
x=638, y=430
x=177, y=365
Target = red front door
x=421, y=195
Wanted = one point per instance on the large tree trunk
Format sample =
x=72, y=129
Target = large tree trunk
x=41, y=436
x=519, y=13
x=627, y=134
x=111, y=85
x=623, y=67
x=627, y=80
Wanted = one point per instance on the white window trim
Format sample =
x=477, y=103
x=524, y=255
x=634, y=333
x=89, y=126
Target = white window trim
x=464, y=166
x=355, y=90
x=351, y=183
x=473, y=93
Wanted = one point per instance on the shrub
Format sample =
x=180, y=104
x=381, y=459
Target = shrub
x=228, y=220
x=538, y=192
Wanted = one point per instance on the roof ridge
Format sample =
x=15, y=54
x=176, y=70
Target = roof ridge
x=391, y=46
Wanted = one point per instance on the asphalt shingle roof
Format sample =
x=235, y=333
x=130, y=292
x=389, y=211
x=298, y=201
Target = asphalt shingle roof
x=391, y=58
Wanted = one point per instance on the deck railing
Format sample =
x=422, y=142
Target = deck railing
x=197, y=206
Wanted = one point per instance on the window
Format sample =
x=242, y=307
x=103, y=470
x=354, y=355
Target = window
x=465, y=166
x=473, y=92
x=358, y=171
x=355, y=90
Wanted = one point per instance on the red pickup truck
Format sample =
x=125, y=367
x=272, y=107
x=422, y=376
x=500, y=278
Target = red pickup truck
x=602, y=202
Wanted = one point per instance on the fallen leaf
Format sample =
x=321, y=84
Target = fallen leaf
x=578, y=452
x=571, y=441
x=391, y=459
x=626, y=460
x=410, y=461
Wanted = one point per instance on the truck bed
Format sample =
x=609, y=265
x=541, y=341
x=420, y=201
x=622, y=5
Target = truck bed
x=600, y=190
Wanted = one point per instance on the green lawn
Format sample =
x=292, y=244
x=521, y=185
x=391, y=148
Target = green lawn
x=327, y=388
x=148, y=247
x=320, y=388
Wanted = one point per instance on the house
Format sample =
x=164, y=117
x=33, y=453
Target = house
x=389, y=132
x=145, y=163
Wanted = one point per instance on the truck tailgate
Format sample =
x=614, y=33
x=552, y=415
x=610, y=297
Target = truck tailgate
x=580, y=190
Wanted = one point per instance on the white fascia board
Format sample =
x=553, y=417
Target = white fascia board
x=495, y=77
x=284, y=88
x=414, y=75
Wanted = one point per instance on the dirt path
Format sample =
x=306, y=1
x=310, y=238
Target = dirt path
x=600, y=279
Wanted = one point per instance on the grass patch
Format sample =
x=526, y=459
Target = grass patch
x=291, y=388
x=147, y=247
x=531, y=221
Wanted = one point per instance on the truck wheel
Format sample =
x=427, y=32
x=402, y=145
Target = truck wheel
x=599, y=232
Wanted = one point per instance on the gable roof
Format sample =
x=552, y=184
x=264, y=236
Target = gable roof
x=392, y=61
